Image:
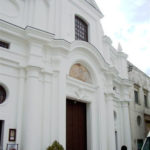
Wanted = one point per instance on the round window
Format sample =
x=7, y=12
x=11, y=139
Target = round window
x=2, y=94
x=139, y=120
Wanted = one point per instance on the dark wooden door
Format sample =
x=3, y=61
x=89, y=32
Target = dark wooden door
x=76, y=126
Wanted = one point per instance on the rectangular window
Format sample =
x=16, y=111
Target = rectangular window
x=145, y=97
x=136, y=97
x=81, y=29
x=4, y=44
x=145, y=100
x=136, y=93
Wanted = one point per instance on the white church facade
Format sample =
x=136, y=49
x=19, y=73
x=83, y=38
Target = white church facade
x=60, y=78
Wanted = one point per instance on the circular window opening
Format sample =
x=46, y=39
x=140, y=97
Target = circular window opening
x=2, y=94
x=139, y=120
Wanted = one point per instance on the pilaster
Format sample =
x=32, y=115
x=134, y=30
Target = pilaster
x=35, y=54
x=32, y=109
x=20, y=106
x=46, y=107
x=94, y=125
x=102, y=124
x=126, y=124
x=58, y=102
x=110, y=118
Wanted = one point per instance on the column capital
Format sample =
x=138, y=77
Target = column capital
x=124, y=104
x=33, y=71
x=109, y=96
x=21, y=72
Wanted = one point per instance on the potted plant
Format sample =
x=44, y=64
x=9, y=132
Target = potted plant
x=55, y=146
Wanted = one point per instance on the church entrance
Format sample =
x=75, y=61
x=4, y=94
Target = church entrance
x=76, y=125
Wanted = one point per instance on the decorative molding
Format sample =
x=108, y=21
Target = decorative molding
x=26, y=33
x=92, y=50
x=8, y=62
x=107, y=40
x=33, y=33
x=78, y=90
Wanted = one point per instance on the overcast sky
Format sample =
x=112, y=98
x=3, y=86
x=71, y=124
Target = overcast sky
x=128, y=22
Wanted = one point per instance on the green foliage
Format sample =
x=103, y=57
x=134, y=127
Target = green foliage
x=55, y=146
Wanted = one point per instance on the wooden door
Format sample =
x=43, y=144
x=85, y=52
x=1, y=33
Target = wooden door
x=76, y=126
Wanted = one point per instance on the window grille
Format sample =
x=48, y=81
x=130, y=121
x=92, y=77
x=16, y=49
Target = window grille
x=4, y=44
x=81, y=29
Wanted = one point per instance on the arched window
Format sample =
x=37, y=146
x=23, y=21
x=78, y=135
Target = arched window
x=81, y=29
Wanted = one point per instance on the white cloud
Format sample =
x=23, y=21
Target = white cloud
x=128, y=22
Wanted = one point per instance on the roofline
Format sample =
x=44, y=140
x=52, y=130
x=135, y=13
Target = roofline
x=139, y=69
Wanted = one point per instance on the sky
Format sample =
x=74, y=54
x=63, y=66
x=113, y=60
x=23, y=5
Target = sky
x=128, y=22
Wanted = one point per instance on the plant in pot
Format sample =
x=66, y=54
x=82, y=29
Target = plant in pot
x=55, y=146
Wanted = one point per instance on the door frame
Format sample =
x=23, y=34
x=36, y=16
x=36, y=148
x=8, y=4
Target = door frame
x=86, y=93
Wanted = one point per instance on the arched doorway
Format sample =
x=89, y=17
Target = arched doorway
x=76, y=113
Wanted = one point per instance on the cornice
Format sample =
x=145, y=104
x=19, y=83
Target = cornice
x=122, y=82
x=109, y=96
x=82, y=85
x=11, y=29
x=60, y=44
x=112, y=72
x=37, y=34
x=122, y=54
x=138, y=70
x=107, y=40
x=8, y=62
x=25, y=33
x=93, y=52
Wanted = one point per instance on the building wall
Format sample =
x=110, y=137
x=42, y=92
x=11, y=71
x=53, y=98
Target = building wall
x=35, y=72
x=137, y=77
x=58, y=18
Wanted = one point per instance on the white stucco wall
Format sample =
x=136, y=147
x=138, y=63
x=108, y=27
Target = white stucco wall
x=35, y=71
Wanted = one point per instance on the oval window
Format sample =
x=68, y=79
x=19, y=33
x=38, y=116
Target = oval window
x=2, y=94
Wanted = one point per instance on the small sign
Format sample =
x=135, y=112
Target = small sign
x=12, y=146
x=12, y=135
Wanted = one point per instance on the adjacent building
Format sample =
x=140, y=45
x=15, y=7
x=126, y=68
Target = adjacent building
x=139, y=107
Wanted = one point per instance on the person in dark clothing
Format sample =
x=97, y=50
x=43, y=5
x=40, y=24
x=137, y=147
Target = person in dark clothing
x=123, y=147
